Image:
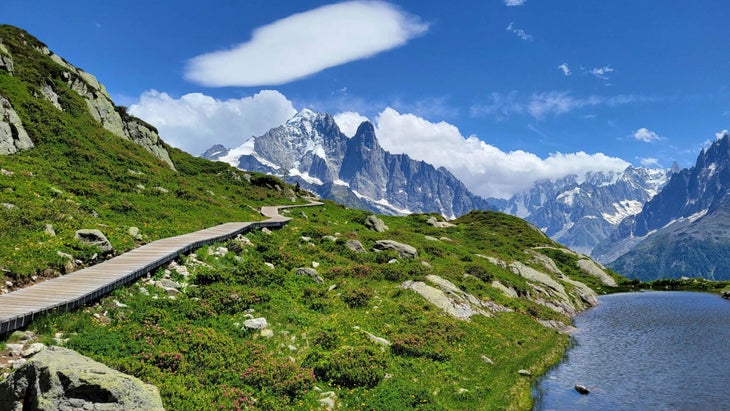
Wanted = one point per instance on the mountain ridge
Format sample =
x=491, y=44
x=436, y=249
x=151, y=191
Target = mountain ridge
x=680, y=232
x=582, y=211
x=314, y=152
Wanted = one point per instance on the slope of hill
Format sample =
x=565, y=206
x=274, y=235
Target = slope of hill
x=323, y=312
x=357, y=171
x=81, y=175
x=682, y=231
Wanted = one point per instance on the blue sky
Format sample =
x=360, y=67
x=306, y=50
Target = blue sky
x=502, y=92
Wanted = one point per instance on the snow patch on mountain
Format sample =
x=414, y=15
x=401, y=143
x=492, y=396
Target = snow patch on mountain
x=624, y=208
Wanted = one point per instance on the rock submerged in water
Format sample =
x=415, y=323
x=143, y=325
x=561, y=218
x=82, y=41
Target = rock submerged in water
x=61, y=379
x=582, y=389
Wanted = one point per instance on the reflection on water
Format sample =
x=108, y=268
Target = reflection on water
x=645, y=351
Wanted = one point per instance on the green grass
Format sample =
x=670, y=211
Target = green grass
x=192, y=350
x=79, y=175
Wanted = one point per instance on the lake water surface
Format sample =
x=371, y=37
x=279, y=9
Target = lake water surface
x=645, y=351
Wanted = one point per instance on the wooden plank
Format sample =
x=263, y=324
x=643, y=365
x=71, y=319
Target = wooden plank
x=19, y=308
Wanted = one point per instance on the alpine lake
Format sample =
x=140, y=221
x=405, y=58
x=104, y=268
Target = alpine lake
x=644, y=351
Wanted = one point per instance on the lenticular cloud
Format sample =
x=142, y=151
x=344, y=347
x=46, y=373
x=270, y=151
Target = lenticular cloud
x=306, y=43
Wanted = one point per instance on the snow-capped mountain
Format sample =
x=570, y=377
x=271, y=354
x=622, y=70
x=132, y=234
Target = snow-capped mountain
x=582, y=211
x=356, y=171
x=682, y=231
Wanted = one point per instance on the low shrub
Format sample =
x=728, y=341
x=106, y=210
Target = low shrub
x=360, y=366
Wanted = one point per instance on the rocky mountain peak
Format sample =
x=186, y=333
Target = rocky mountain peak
x=365, y=136
x=682, y=227
x=355, y=171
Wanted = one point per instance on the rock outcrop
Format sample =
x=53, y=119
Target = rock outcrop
x=61, y=379
x=95, y=238
x=355, y=246
x=404, y=250
x=102, y=108
x=451, y=299
x=13, y=137
x=373, y=223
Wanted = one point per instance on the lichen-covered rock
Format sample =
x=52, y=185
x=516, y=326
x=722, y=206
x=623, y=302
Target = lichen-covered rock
x=61, y=379
x=591, y=268
x=355, y=246
x=433, y=221
x=310, y=272
x=375, y=224
x=13, y=137
x=111, y=117
x=255, y=323
x=404, y=250
x=50, y=94
x=94, y=237
x=507, y=291
x=451, y=299
x=6, y=59
x=147, y=138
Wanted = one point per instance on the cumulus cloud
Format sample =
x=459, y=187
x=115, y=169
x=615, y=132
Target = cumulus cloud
x=601, y=72
x=512, y=3
x=565, y=69
x=721, y=134
x=649, y=162
x=646, y=135
x=194, y=122
x=349, y=121
x=306, y=43
x=518, y=32
x=485, y=169
x=543, y=104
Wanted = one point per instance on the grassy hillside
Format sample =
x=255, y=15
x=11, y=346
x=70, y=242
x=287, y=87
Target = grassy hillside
x=195, y=349
x=353, y=333
x=80, y=175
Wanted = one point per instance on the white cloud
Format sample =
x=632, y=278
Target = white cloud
x=601, y=72
x=721, y=134
x=646, y=135
x=194, y=122
x=485, y=169
x=306, y=43
x=518, y=32
x=565, y=69
x=512, y=3
x=649, y=162
x=349, y=121
x=541, y=105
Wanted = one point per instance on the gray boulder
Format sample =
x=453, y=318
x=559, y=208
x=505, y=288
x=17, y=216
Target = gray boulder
x=310, y=272
x=375, y=224
x=404, y=250
x=355, y=246
x=61, y=379
x=255, y=323
x=6, y=59
x=433, y=221
x=94, y=237
x=13, y=137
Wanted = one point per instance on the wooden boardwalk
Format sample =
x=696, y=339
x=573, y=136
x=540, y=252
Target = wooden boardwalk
x=19, y=308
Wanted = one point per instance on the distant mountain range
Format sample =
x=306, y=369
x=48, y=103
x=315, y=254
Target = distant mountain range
x=311, y=150
x=582, y=211
x=682, y=231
